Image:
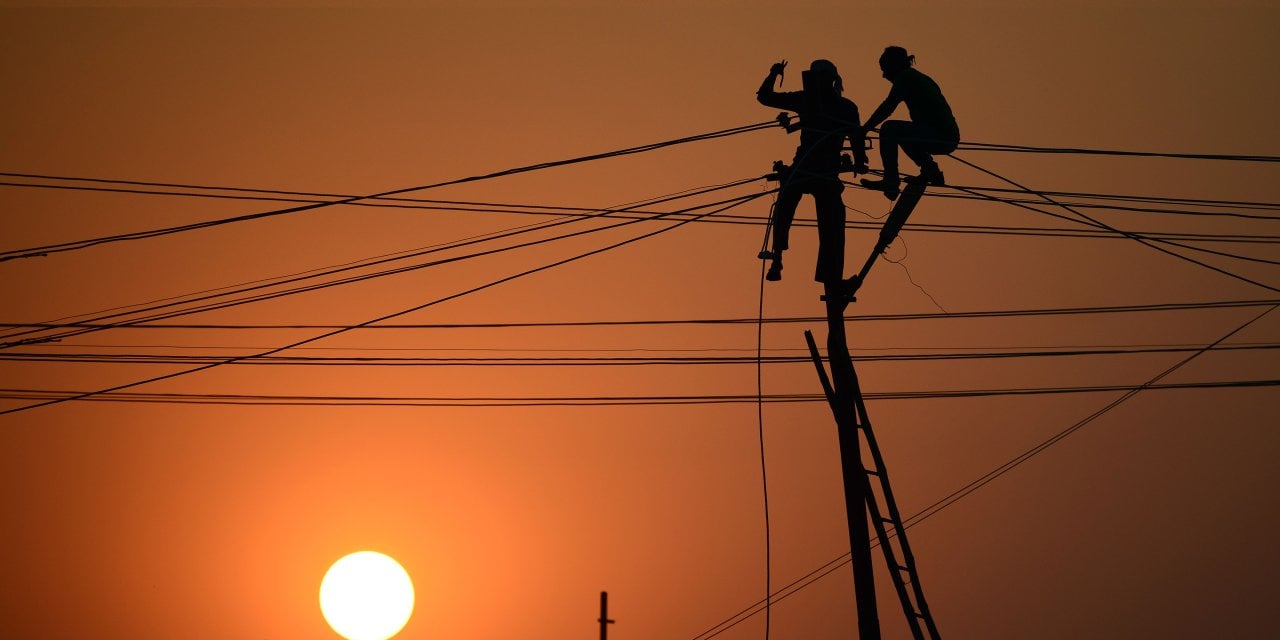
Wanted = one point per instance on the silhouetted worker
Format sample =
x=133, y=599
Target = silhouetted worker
x=931, y=131
x=826, y=119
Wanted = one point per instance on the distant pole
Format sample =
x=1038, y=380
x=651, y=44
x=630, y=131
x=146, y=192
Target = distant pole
x=604, y=615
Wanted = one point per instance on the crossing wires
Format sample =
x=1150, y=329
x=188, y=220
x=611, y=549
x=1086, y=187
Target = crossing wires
x=45, y=250
x=389, y=316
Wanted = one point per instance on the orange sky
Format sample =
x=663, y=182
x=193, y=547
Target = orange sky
x=218, y=521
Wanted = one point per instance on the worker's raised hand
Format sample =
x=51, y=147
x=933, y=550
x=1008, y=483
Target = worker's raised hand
x=778, y=68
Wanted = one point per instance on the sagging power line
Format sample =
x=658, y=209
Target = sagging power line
x=167, y=310
x=90, y=242
x=51, y=395
x=1149, y=242
x=429, y=204
x=950, y=315
x=384, y=317
x=580, y=361
x=973, y=193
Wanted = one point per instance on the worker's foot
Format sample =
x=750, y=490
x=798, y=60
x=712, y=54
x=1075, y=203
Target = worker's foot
x=851, y=285
x=888, y=187
x=929, y=175
x=767, y=255
x=775, y=271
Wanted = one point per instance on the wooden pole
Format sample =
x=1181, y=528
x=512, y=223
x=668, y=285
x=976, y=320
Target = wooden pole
x=844, y=407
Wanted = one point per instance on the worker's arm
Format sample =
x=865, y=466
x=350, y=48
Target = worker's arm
x=857, y=141
x=770, y=98
x=883, y=111
x=859, y=145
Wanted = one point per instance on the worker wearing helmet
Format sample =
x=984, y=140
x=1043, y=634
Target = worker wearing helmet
x=826, y=120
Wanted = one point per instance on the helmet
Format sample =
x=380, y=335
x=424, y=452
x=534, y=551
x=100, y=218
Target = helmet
x=826, y=70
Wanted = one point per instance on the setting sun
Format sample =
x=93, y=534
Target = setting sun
x=366, y=596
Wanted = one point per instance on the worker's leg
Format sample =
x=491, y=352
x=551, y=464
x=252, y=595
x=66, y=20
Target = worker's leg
x=784, y=211
x=830, y=206
x=891, y=134
x=921, y=143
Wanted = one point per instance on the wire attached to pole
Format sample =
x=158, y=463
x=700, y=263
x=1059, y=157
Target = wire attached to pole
x=764, y=475
x=1090, y=221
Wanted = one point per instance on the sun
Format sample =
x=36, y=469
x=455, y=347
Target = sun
x=366, y=596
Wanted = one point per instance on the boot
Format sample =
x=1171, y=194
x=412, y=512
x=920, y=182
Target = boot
x=775, y=271
x=887, y=186
x=930, y=174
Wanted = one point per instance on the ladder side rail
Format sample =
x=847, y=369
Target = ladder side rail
x=921, y=606
x=908, y=607
x=891, y=504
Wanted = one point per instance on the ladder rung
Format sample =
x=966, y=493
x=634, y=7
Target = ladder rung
x=871, y=472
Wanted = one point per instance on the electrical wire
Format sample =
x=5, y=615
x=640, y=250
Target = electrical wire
x=648, y=350
x=1149, y=242
x=1058, y=437
x=334, y=332
x=51, y=396
x=239, y=193
x=390, y=257
x=1107, y=206
x=902, y=262
x=163, y=314
x=1245, y=204
x=968, y=193
x=588, y=361
x=959, y=494
x=543, y=210
x=1135, y=235
x=969, y=145
x=152, y=233
x=505, y=233
x=1002, y=313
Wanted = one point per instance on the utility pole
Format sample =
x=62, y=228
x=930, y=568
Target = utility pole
x=604, y=615
x=842, y=395
x=853, y=426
